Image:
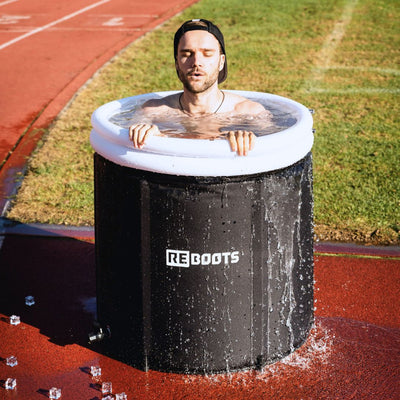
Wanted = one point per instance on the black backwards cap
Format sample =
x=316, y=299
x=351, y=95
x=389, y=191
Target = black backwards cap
x=208, y=27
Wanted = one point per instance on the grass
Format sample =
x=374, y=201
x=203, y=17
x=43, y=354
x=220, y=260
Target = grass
x=339, y=58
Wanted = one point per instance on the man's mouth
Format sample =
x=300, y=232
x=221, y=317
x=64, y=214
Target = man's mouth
x=196, y=74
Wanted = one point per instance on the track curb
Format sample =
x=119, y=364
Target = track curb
x=8, y=227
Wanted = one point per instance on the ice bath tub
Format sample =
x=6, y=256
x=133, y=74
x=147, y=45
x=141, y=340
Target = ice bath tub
x=204, y=259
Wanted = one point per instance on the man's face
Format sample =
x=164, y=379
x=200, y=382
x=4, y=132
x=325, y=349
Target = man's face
x=199, y=60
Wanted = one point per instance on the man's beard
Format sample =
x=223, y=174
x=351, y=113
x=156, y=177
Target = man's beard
x=193, y=87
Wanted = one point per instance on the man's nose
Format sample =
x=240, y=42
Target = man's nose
x=197, y=59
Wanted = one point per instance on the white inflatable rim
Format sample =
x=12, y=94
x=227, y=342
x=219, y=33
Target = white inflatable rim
x=199, y=157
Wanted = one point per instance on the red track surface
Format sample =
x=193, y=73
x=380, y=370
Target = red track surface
x=48, y=50
x=353, y=352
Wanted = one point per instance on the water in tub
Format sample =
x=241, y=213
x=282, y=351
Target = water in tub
x=175, y=123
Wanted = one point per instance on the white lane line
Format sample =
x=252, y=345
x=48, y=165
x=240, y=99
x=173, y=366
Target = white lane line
x=354, y=91
x=378, y=70
x=81, y=29
x=325, y=55
x=42, y=28
x=115, y=21
x=125, y=15
x=3, y=3
x=12, y=19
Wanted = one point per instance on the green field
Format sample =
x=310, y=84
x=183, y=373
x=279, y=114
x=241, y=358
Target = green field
x=340, y=58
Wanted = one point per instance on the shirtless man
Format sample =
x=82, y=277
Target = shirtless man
x=200, y=62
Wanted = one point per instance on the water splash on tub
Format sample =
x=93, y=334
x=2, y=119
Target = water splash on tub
x=316, y=351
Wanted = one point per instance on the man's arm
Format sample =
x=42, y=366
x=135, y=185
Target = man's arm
x=243, y=141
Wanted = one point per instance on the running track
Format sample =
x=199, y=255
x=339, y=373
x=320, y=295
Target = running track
x=48, y=50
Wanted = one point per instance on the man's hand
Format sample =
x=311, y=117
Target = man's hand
x=241, y=141
x=140, y=132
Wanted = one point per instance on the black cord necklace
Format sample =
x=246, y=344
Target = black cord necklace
x=220, y=105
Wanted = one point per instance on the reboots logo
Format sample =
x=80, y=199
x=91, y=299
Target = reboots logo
x=184, y=258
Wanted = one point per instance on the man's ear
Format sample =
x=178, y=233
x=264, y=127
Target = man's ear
x=221, y=62
x=176, y=69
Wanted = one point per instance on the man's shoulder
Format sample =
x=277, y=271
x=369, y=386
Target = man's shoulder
x=249, y=107
x=162, y=102
x=242, y=105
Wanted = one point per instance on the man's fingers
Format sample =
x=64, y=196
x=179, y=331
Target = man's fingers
x=131, y=132
x=232, y=140
x=246, y=143
x=140, y=132
x=134, y=134
x=241, y=141
x=142, y=135
x=252, y=138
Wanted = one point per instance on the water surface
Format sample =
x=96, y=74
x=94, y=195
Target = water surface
x=277, y=117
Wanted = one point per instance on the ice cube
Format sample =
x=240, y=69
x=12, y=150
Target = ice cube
x=95, y=371
x=11, y=361
x=106, y=388
x=15, y=320
x=11, y=384
x=29, y=300
x=108, y=397
x=121, y=396
x=54, y=393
